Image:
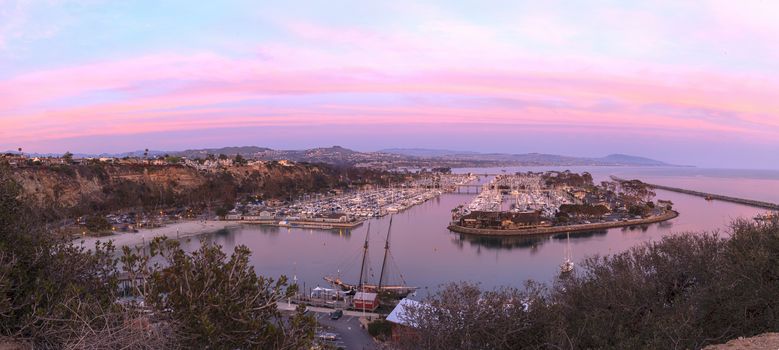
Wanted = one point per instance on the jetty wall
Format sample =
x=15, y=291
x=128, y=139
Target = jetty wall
x=749, y=202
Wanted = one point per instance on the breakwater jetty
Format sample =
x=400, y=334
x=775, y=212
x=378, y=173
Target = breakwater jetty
x=712, y=196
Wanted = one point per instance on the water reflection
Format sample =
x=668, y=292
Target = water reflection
x=508, y=243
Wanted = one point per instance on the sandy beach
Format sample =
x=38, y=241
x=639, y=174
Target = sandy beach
x=180, y=229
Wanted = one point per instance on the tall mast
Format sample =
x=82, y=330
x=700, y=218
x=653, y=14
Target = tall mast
x=364, y=257
x=386, y=251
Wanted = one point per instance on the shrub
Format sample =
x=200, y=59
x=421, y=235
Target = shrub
x=381, y=329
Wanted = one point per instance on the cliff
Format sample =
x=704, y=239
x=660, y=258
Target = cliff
x=60, y=191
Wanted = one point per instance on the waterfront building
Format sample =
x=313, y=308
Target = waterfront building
x=365, y=301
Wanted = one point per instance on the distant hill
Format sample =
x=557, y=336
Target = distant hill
x=246, y=151
x=526, y=158
x=424, y=152
x=632, y=160
x=393, y=157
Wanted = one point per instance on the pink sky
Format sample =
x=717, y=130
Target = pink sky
x=681, y=84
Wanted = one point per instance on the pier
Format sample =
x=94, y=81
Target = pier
x=744, y=201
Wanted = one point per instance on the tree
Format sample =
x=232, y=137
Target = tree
x=684, y=292
x=462, y=316
x=97, y=223
x=636, y=192
x=68, y=157
x=54, y=294
x=219, y=301
x=240, y=160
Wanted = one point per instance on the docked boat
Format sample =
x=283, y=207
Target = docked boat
x=400, y=290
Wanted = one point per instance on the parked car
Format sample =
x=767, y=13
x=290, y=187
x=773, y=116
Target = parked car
x=327, y=336
x=336, y=314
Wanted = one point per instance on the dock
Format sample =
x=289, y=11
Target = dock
x=744, y=201
x=304, y=224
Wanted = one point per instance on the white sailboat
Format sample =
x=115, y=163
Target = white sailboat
x=567, y=265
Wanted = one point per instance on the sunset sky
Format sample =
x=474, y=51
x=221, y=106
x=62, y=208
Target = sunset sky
x=687, y=82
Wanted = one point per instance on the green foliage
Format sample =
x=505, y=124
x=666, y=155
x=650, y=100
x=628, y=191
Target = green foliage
x=381, y=329
x=218, y=301
x=636, y=192
x=638, y=210
x=51, y=292
x=684, y=292
x=56, y=295
x=587, y=210
x=97, y=223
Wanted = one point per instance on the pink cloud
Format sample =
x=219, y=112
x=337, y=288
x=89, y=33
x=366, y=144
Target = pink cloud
x=211, y=88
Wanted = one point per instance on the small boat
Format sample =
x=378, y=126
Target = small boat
x=567, y=266
x=709, y=198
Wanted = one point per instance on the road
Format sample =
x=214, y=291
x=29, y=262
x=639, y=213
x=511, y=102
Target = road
x=350, y=336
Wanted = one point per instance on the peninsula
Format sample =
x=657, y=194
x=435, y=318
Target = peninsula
x=554, y=202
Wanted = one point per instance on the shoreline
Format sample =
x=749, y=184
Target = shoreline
x=562, y=229
x=176, y=230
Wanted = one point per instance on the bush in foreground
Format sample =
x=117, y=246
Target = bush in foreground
x=683, y=292
x=54, y=295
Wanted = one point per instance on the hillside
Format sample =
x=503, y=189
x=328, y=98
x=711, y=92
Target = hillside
x=396, y=157
x=72, y=190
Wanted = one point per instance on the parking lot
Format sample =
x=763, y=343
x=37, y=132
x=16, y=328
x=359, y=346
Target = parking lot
x=349, y=334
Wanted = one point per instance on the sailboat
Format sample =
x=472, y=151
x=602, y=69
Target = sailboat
x=567, y=265
x=395, y=290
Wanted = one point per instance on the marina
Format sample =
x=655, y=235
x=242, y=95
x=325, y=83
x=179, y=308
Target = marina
x=429, y=255
x=347, y=210
x=557, y=201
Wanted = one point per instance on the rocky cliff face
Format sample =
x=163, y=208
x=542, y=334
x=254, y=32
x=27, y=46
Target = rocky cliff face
x=71, y=190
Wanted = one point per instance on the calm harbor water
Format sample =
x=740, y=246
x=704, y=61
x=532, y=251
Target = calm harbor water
x=427, y=255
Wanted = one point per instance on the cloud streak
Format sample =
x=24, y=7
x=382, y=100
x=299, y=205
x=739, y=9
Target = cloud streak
x=619, y=72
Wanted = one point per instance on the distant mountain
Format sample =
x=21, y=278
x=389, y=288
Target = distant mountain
x=245, y=151
x=630, y=160
x=152, y=153
x=393, y=157
x=525, y=158
x=332, y=155
x=424, y=152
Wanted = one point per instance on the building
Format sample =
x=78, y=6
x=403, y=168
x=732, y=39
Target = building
x=331, y=217
x=402, y=327
x=365, y=301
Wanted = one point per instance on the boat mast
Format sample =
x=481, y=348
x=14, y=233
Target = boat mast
x=364, y=256
x=386, y=251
